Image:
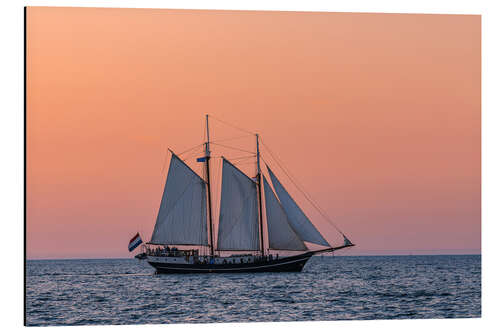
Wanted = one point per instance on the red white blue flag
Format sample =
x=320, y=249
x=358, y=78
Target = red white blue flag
x=134, y=242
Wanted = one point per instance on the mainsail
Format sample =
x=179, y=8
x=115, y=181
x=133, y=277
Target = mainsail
x=182, y=218
x=298, y=220
x=280, y=233
x=238, y=218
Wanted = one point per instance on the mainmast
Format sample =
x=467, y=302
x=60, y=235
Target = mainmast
x=259, y=183
x=207, y=164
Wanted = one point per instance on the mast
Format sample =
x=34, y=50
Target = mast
x=259, y=183
x=207, y=164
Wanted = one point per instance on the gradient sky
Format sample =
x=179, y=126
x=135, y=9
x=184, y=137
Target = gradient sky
x=377, y=115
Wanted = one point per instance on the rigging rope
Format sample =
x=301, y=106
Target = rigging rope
x=242, y=158
x=288, y=174
x=188, y=150
x=234, y=158
x=242, y=163
x=243, y=150
x=233, y=138
x=192, y=154
x=168, y=150
x=231, y=125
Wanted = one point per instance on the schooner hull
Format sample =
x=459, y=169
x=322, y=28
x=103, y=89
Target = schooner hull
x=288, y=264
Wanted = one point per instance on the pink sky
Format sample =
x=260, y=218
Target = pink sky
x=376, y=115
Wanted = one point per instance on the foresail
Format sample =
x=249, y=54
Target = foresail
x=298, y=220
x=182, y=218
x=238, y=218
x=280, y=233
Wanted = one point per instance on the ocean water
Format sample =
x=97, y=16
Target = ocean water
x=126, y=291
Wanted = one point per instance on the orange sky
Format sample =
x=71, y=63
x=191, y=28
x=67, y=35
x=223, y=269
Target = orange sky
x=376, y=115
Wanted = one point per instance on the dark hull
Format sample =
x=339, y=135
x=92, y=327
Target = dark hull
x=288, y=264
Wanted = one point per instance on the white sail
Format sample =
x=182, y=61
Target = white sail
x=280, y=233
x=298, y=220
x=182, y=218
x=238, y=219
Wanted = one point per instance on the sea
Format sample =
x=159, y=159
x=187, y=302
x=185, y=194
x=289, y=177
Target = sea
x=127, y=291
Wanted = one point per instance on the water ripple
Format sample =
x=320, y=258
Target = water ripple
x=126, y=291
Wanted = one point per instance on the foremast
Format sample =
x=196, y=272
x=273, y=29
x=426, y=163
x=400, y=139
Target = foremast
x=259, y=191
x=207, y=166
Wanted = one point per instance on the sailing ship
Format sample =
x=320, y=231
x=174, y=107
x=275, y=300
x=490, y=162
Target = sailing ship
x=185, y=218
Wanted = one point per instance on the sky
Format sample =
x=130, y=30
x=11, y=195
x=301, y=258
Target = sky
x=377, y=116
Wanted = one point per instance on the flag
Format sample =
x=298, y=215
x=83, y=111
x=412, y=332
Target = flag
x=134, y=242
x=201, y=159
